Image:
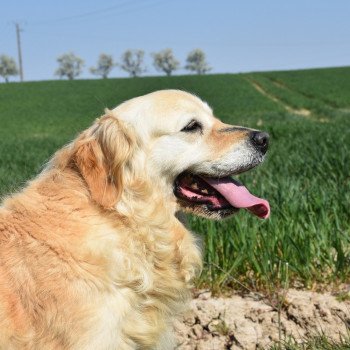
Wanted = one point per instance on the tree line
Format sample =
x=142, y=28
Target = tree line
x=71, y=66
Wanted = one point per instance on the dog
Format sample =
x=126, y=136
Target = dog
x=92, y=255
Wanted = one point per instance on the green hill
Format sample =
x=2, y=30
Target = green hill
x=305, y=177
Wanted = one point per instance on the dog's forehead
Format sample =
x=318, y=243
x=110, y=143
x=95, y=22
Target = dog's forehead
x=169, y=107
x=177, y=99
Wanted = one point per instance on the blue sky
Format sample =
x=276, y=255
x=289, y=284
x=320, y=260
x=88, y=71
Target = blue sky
x=237, y=36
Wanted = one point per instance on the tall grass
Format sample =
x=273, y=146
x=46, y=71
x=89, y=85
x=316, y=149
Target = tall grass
x=305, y=178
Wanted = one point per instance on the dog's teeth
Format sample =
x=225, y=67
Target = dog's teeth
x=195, y=186
x=205, y=191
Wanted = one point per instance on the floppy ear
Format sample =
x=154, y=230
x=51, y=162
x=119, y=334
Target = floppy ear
x=101, y=154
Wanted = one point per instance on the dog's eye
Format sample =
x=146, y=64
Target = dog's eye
x=192, y=126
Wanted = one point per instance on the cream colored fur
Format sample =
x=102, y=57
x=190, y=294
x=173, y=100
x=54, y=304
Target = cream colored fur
x=92, y=255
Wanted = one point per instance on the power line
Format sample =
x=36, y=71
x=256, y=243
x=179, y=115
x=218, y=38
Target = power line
x=120, y=6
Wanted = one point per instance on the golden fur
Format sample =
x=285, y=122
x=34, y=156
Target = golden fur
x=92, y=255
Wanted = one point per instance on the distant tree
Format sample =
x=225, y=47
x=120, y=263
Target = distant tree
x=165, y=61
x=8, y=67
x=70, y=66
x=196, y=62
x=104, y=66
x=132, y=62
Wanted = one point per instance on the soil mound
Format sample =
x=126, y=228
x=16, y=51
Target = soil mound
x=249, y=323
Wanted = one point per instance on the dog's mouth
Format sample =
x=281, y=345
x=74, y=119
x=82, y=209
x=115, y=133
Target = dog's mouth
x=217, y=197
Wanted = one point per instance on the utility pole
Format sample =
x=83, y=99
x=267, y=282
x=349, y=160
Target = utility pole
x=18, y=33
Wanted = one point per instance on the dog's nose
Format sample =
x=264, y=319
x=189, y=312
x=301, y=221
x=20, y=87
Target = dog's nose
x=260, y=140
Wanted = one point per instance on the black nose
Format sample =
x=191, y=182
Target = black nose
x=260, y=140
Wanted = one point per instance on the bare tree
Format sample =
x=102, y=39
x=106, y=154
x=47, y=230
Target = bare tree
x=132, y=62
x=165, y=61
x=8, y=67
x=196, y=62
x=70, y=66
x=104, y=66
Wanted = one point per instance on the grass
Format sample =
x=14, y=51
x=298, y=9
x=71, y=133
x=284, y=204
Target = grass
x=318, y=342
x=305, y=177
x=311, y=84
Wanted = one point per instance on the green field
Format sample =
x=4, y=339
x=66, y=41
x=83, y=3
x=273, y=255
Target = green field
x=306, y=177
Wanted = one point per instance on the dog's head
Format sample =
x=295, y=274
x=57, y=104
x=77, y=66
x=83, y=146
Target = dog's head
x=172, y=139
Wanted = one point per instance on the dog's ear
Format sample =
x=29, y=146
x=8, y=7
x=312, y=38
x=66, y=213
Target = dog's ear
x=100, y=155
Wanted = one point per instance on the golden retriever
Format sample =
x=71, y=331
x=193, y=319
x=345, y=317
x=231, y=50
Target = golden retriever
x=92, y=255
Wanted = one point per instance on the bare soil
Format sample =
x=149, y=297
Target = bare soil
x=249, y=322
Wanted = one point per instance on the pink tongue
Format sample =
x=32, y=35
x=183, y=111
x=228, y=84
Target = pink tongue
x=239, y=197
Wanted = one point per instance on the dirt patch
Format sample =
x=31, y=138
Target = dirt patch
x=249, y=323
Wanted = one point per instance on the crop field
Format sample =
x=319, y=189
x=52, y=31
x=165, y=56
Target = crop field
x=305, y=177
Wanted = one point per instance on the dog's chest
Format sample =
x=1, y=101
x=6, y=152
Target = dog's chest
x=148, y=273
x=125, y=321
